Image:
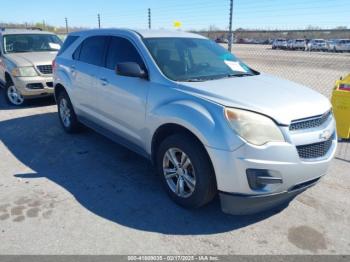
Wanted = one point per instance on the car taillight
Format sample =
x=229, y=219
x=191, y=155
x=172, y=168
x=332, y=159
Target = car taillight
x=344, y=87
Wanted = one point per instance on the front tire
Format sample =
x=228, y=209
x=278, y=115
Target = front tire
x=12, y=95
x=67, y=116
x=186, y=171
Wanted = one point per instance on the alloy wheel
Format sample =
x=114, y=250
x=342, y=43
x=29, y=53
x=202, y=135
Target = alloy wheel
x=14, y=95
x=179, y=172
x=65, y=112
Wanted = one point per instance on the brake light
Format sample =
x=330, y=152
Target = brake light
x=344, y=87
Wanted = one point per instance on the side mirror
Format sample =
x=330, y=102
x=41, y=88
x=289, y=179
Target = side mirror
x=131, y=69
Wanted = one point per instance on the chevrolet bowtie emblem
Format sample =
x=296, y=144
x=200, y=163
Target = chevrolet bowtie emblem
x=325, y=135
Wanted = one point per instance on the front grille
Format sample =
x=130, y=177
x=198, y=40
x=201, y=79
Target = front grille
x=45, y=69
x=311, y=122
x=316, y=150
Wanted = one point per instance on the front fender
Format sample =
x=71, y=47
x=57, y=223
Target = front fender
x=206, y=122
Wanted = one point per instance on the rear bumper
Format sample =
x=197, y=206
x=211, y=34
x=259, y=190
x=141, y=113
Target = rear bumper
x=240, y=204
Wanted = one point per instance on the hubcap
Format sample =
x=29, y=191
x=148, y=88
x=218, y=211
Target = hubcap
x=65, y=112
x=14, y=96
x=179, y=172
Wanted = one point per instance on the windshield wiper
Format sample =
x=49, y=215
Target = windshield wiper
x=239, y=75
x=194, y=80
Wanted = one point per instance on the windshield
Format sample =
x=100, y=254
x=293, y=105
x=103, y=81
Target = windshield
x=31, y=43
x=192, y=59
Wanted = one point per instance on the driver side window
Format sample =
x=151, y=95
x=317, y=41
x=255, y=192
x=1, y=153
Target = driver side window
x=122, y=50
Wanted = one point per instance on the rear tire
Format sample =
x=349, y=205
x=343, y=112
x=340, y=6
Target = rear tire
x=66, y=114
x=190, y=182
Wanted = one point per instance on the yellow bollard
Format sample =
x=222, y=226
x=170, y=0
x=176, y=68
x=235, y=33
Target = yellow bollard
x=341, y=106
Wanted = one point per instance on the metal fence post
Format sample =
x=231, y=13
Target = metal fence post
x=99, y=20
x=149, y=19
x=230, y=40
x=66, y=20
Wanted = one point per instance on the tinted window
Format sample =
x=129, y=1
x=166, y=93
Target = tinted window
x=92, y=50
x=76, y=53
x=67, y=43
x=120, y=51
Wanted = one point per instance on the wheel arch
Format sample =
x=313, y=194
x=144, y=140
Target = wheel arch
x=169, y=129
x=58, y=89
x=8, y=77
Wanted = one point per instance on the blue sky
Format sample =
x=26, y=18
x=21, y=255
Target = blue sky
x=194, y=14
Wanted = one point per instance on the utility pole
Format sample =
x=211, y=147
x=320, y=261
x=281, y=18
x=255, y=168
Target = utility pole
x=43, y=25
x=66, y=20
x=149, y=19
x=99, y=20
x=230, y=40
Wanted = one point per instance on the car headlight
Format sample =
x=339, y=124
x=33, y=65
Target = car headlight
x=252, y=127
x=24, y=71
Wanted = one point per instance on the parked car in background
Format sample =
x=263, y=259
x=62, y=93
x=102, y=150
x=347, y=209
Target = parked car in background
x=317, y=45
x=290, y=44
x=342, y=45
x=331, y=44
x=207, y=121
x=221, y=40
x=279, y=44
x=299, y=44
x=26, y=63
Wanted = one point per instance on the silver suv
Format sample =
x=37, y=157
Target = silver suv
x=26, y=63
x=207, y=121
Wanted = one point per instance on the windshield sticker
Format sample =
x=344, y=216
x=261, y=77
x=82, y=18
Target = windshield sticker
x=54, y=46
x=235, y=66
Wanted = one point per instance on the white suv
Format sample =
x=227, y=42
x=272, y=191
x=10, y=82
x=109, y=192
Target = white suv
x=26, y=63
x=207, y=121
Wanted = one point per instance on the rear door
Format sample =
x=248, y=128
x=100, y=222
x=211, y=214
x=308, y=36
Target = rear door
x=89, y=60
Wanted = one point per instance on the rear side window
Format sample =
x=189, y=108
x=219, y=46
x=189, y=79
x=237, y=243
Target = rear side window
x=92, y=50
x=122, y=50
x=67, y=43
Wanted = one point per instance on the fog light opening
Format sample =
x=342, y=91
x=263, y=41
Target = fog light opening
x=260, y=178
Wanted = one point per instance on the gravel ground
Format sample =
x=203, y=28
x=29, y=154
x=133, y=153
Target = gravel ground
x=82, y=194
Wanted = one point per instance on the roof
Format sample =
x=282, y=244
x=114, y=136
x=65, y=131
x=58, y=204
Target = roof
x=142, y=33
x=167, y=33
x=5, y=31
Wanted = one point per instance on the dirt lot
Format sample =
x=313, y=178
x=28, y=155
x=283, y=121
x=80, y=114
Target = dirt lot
x=82, y=194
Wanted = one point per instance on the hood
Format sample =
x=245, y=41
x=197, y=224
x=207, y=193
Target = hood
x=282, y=100
x=32, y=58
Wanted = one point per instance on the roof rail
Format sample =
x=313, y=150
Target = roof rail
x=21, y=28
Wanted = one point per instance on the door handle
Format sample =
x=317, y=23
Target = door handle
x=104, y=81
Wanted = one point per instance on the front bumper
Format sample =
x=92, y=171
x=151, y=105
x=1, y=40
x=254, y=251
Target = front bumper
x=280, y=160
x=46, y=82
x=239, y=204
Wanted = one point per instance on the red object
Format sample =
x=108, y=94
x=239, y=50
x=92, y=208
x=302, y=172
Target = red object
x=53, y=65
x=344, y=87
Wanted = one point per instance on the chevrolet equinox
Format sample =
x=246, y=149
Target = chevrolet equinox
x=208, y=122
